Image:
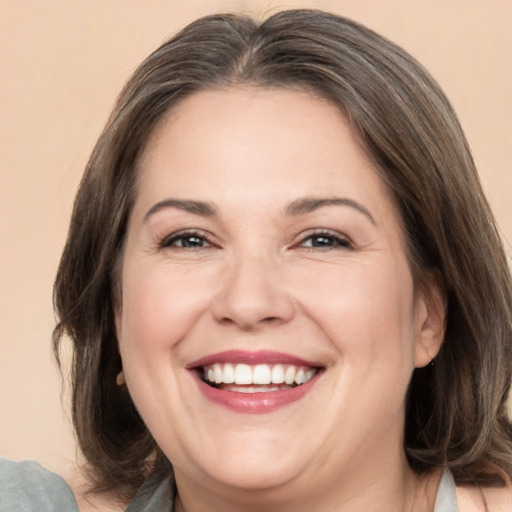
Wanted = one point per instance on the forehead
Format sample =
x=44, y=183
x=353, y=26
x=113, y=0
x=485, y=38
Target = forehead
x=244, y=117
x=264, y=144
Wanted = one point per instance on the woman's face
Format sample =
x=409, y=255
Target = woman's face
x=263, y=250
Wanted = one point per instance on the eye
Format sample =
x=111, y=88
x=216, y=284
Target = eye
x=325, y=240
x=186, y=240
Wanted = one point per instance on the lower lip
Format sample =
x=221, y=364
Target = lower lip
x=255, y=403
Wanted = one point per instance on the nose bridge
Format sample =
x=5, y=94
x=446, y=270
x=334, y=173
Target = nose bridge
x=253, y=292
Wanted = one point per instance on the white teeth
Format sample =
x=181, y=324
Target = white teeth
x=257, y=375
x=228, y=374
x=289, y=375
x=217, y=372
x=277, y=374
x=243, y=374
x=254, y=389
x=261, y=374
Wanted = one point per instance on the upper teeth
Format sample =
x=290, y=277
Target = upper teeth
x=226, y=373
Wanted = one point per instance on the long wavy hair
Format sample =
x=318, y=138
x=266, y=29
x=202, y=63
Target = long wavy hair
x=456, y=412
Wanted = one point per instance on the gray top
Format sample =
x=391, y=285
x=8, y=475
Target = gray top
x=446, y=499
x=28, y=487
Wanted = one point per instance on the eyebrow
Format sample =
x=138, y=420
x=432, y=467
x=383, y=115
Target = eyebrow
x=298, y=207
x=310, y=204
x=202, y=208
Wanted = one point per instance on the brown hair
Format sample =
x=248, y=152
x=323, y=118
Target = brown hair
x=456, y=410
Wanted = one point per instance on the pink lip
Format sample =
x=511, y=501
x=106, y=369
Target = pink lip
x=253, y=403
x=251, y=358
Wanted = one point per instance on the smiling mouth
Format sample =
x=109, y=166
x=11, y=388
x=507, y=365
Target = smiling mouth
x=259, y=378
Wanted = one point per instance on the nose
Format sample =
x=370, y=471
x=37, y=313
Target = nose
x=253, y=295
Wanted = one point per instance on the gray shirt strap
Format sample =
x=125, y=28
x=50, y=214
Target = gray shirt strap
x=446, y=500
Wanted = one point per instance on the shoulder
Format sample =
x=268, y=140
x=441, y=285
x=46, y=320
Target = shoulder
x=27, y=486
x=474, y=499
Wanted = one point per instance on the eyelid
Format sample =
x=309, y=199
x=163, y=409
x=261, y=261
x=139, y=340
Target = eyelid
x=343, y=240
x=166, y=241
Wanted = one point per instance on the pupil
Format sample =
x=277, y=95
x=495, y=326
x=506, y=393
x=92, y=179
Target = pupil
x=322, y=241
x=192, y=241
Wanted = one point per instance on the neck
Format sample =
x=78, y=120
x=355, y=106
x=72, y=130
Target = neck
x=386, y=491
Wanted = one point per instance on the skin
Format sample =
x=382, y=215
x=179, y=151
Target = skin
x=255, y=281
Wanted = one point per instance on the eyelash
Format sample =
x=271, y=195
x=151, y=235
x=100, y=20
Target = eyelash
x=170, y=241
x=336, y=241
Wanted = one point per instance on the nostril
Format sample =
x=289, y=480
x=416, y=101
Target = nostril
x=248, y=324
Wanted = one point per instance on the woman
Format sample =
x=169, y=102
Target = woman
x=284, y=285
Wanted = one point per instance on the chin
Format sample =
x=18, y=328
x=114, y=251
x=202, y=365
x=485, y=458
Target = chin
x=246, y=460
x=256, y=475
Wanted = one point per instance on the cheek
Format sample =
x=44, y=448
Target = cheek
x=366, y=311
x=160, y=306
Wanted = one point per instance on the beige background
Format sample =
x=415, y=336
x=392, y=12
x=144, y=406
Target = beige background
x=61, y=65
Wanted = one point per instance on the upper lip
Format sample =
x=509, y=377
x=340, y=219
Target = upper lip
x=252, y=358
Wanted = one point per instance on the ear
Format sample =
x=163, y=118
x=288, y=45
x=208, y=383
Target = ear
x=431, y=311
